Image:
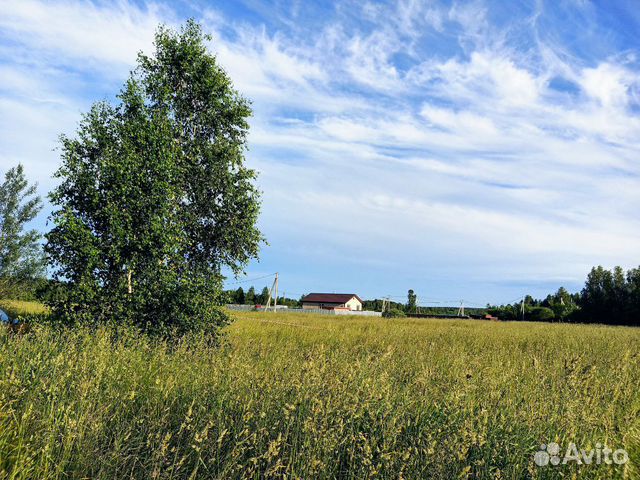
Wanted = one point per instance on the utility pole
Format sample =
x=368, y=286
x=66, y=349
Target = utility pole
x=522, y=308
x=385, y=304
x=274, y=288
x=275, y=304
x=461, y=309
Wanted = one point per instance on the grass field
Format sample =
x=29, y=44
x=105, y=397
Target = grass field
x=15, y=308
x=303, y=396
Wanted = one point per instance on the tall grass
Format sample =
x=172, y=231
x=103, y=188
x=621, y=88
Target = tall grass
x=297, y=396
x=16, y=308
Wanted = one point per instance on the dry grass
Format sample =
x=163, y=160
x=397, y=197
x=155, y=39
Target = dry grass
x=302, y=396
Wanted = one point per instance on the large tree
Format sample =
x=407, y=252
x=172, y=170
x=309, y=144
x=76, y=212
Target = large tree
x=412, y=299
x=21, y=255
x=596, y=299
x=238, y=296
x=155, y=198
x=250, y=297
x=264, y=296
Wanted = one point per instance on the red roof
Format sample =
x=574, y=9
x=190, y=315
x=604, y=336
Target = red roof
x=330, y=297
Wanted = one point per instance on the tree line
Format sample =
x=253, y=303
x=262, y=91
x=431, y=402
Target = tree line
x=400, y=309
x=22, y=260
x=609, y=296
x=250, y=297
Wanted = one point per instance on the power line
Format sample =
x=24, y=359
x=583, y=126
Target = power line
x=251, y=279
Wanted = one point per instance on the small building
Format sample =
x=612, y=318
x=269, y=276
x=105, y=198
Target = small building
x=332, y=301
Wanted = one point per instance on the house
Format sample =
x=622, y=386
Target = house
x=332, y=301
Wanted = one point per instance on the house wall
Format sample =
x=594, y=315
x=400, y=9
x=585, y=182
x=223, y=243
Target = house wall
x=353, y=304
x=313, y=305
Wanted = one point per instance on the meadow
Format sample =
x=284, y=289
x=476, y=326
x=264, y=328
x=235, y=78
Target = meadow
x=304, y=396
x=15, y=308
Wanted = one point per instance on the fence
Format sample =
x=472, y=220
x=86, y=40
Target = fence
x=322, y=311
x=317, y=311
x=241, y=308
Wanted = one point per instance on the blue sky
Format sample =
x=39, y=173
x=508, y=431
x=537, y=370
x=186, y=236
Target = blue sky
x=468, y=150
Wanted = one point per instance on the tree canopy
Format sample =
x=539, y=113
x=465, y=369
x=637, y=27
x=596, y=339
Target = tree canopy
x=412, y=301
x=155, y=198
x=21, y=256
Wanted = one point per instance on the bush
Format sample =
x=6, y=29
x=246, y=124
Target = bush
x=21, y=289
x=541, y=314
x=394, y=313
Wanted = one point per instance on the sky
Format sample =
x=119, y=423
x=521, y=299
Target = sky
x=476, y=150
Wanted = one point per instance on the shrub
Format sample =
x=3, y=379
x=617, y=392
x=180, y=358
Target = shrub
x=540, y=314
x=394, y=313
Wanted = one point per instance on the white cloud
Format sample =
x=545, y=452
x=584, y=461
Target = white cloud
x=69, y=32
x=608, y=84
x=460, y=122
x=485, y=75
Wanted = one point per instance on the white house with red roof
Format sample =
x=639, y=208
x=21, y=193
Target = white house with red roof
x=332, y=301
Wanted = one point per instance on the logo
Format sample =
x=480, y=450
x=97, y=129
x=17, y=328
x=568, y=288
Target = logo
x=552, y=454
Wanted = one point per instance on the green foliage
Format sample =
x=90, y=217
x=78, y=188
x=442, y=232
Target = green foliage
x=376, y=305
x=22, y=260
x=21, y=308
x=412, y=302
x=238, y=296
x=559, y=307
x=303, y=396
x=563, y=305
x=611, y=296
x=154, y=197
x=541, y=314
x=264, y=296
x=394, y=313
x=290, y=302
x=250, y=297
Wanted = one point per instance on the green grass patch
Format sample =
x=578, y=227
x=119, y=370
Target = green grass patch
x=305, y=396
x=16, y=308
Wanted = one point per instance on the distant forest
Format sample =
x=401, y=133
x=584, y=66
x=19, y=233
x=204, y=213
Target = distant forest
x=609, y=296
